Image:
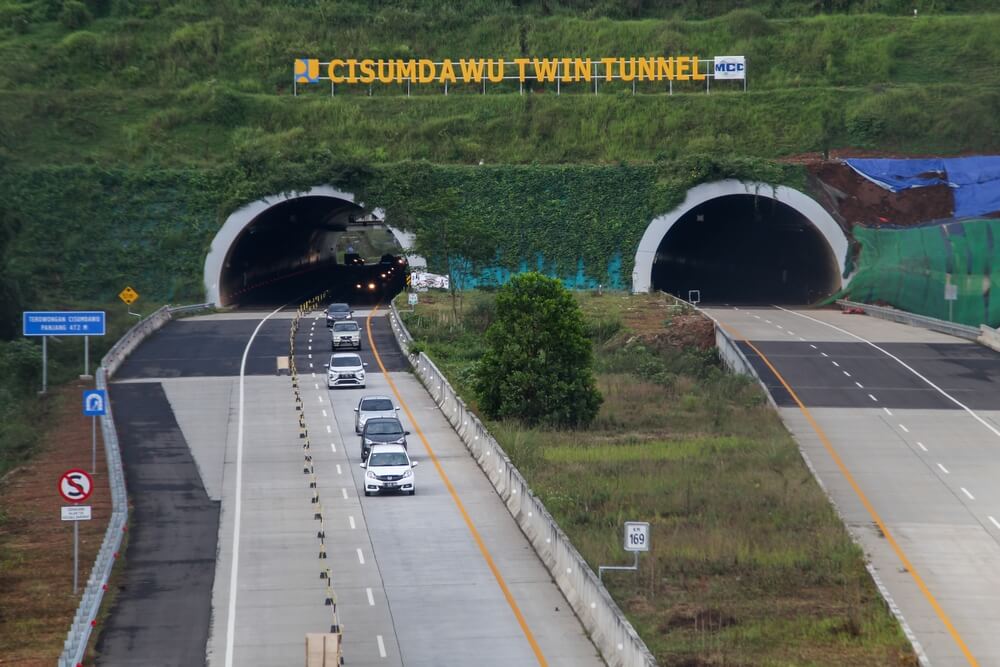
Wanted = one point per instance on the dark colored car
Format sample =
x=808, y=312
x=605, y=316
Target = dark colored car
x=382, y=430
x=338, y=311
x=353, y=259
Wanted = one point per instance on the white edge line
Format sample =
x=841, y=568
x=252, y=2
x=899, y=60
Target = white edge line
x=904, y=365
x=238, y=510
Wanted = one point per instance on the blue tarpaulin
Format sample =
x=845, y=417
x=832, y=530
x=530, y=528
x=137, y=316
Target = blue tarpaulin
x=975, y=181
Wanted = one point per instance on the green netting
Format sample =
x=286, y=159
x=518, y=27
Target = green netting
x=910, y=269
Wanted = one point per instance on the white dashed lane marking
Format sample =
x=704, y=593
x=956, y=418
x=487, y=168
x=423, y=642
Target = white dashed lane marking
x=350, y=520
x=371, y=598
x=873, y=398
x=824, y=354
x=888, y=411
x=339, y=471
x=381, y=646
x=361, y=557
x=966, y=492
x=846, y=373
x=344, y=493
x=813, y=346
x=994, y=522
x=905, y=430
x=835, y=364
x=860, y=386
x=943, y=469
x=921, y=446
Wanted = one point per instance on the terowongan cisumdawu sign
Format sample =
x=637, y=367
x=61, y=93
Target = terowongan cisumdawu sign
x=497, y=70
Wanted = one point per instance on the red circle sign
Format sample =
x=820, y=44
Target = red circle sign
x=75, y=485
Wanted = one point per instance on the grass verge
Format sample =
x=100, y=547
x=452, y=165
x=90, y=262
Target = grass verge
x=750, y=564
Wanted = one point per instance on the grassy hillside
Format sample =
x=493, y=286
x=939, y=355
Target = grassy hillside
x=194, y=83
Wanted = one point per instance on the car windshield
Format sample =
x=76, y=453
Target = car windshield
x=387, y=459
x=345, y=362
x=376, y=405
x=345, y=326
x=339, y=308
x=382, y=428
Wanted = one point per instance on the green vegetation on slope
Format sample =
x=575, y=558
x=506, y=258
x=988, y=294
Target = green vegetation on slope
x=198, y=83
x=749, y=563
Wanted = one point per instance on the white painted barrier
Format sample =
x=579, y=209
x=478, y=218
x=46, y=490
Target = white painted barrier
x=615, y=638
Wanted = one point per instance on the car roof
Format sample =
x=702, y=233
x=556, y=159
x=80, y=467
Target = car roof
x=374, y=396
x=379, y=420
x=354, y=322
x=341, y=355
x=383, y=448
x=338, y=306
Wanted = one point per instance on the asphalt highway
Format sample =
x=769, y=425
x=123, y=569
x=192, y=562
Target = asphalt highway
x=902, y=426
x=441, y=578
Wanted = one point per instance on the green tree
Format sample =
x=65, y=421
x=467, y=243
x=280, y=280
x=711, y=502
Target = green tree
x=537, y=367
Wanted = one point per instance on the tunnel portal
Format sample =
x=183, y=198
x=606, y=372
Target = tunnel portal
x=297, y=247
x=745, y=249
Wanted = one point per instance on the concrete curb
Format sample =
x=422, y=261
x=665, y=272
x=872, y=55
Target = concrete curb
x=615, y=638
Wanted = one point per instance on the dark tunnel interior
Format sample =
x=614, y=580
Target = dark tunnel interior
x=300, y=247
x=745, y=249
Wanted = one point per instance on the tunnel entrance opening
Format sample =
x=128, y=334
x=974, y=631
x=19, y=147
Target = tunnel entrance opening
x=745, y=249
x=300, y=246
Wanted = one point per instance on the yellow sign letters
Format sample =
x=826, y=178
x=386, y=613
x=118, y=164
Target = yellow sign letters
x=496, y=70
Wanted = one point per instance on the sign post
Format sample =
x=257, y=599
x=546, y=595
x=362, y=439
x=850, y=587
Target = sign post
x=84, y=323
x=75, y=486
x=951, y=296
x=129, y=295
x=95, y=404
x=636, y=540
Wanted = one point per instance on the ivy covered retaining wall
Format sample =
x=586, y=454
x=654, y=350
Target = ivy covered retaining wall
x=86, y=232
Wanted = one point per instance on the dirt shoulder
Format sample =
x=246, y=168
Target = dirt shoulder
x=36, y=547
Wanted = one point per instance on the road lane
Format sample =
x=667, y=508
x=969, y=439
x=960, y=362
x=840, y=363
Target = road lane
x=926, y=466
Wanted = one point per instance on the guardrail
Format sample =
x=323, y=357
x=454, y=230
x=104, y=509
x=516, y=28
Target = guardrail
x=615, y=638
x=934, y=324
x=85, y=619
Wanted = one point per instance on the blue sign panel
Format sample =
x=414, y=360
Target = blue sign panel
x=64, y=323
x=95, y=403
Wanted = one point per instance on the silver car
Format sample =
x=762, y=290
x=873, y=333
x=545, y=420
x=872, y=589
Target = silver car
x=345, y=370
x=372, y=406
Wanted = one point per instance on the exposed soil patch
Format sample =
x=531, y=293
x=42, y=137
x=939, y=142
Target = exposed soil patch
x=854, y=200
x=658, y=323
x=700, y=620
x=36, y=548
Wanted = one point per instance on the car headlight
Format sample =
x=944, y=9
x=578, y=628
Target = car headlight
x=408, y=473
x=400, y=441
x=370, y=475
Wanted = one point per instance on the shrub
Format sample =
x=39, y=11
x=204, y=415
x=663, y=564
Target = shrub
x=74, y=15
x=537, y=367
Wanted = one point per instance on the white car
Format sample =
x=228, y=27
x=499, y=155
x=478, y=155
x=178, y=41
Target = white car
x=345, y=370
x=389, y=468
x=345, y=333
x=372, y=406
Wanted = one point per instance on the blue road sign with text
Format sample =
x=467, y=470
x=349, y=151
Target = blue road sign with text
x=64, y=323
x=95, y=403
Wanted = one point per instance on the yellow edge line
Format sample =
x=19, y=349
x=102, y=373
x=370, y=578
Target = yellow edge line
x=864, y=501
x=461, y=508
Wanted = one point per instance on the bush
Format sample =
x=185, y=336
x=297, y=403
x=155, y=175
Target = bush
x=537, y=367
x=75, y=15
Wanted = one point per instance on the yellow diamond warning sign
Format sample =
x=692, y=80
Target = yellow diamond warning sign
x=128, y=295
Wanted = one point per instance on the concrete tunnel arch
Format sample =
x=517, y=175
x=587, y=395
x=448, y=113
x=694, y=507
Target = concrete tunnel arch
x=238, y=221
x=805, y=206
